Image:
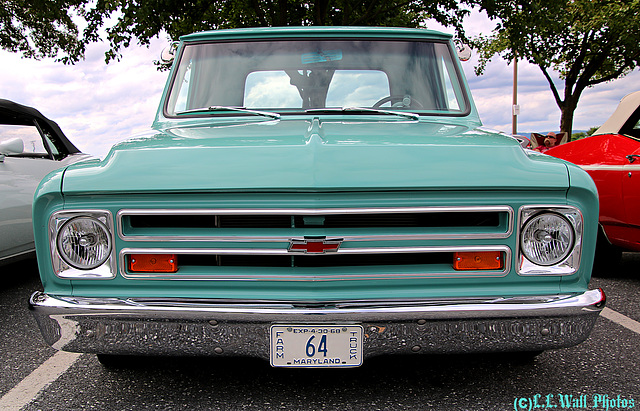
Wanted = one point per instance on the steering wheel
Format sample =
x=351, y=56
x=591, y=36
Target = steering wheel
x=405, y=101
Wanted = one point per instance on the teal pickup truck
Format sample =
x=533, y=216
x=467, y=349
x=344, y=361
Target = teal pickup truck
x=315, y=196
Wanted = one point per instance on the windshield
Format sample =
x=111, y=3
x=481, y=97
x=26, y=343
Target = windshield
x=297, y=75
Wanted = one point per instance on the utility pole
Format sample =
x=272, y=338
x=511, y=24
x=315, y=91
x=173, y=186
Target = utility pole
x=515, y=108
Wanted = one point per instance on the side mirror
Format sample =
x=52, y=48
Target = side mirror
x=169, y=53
x=11, y=146
x=464, y=52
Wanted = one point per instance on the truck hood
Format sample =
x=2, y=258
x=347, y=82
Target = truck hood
x=315, y=154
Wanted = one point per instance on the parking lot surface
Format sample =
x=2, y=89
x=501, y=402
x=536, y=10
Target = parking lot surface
x=602, y=373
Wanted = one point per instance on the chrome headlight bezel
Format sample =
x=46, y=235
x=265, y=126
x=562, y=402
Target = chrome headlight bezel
x=566, y=264
x=63, y=266
x=84, y=242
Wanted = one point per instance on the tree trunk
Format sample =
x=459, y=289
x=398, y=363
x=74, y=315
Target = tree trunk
x=320, y=12
x=567, y=110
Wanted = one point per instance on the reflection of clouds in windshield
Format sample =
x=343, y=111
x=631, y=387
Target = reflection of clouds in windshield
x=181, y=102
x=357, y=88
x=270, y=89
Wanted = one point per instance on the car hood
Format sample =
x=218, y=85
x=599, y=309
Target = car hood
x=315, y=154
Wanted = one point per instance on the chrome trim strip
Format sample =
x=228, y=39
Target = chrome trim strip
x=602, y=167
x=18, y=254
x=315, y=211
x=302, y=277
x=494, y=307
x=318, y=211
x=279, y=239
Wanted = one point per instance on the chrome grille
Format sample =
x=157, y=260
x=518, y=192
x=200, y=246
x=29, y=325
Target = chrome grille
x=254, y=244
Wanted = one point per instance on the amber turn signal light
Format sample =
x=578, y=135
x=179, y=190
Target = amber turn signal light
x=478, y=260
x=153, y=263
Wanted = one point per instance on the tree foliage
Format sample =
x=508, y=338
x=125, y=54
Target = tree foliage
x=141, y=20
x=45, y=28
x=41, y=28
x=583, y=134
x=587, y=42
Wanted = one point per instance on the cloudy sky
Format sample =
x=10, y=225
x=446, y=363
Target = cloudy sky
x=98, y=105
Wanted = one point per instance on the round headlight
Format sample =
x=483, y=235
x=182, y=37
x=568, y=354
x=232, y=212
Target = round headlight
x=84, y=243
x=547, y=239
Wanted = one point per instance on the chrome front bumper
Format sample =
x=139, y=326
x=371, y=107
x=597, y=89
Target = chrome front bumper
x=205, y=327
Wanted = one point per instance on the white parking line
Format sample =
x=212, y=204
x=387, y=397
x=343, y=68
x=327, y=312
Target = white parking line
x=623, y=320
x=27, y=390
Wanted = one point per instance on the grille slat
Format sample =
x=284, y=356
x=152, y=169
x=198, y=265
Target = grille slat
x=383, y=220
x=327, y=260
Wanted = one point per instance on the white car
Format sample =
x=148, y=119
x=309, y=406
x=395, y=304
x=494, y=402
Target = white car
x=31, y=146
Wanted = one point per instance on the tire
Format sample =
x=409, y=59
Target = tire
x=521, y=357
x=113, y=361
x=607, y=257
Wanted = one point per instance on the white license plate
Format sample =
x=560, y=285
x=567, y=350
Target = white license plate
x=316, y=345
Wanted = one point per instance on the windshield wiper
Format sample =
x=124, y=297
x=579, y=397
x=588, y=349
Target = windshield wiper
x=412, y=116
x=227, y=108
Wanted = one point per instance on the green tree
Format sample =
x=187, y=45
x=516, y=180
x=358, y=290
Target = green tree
x=140, y=20
x=587, y=42
x=49, y=28
x=41, y=28
x=583, y=134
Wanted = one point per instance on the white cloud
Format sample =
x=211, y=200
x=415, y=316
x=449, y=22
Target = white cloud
x=95, y=104
x=493, y=91
x=98, y=105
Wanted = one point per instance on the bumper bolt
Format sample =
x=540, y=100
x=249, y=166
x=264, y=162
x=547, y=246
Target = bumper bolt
x=422, y=322
x=416, y=348
x=545, y=331
x=218, y=350
x=213, y=323
x=90, y=333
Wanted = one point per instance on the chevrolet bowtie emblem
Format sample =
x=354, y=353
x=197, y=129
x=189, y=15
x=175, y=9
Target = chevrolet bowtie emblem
x=313, y=245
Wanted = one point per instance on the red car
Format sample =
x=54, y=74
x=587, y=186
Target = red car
x=612, y=157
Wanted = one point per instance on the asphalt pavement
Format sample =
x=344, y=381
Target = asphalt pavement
x=603, y=373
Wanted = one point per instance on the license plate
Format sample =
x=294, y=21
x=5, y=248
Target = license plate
x=316, y=345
